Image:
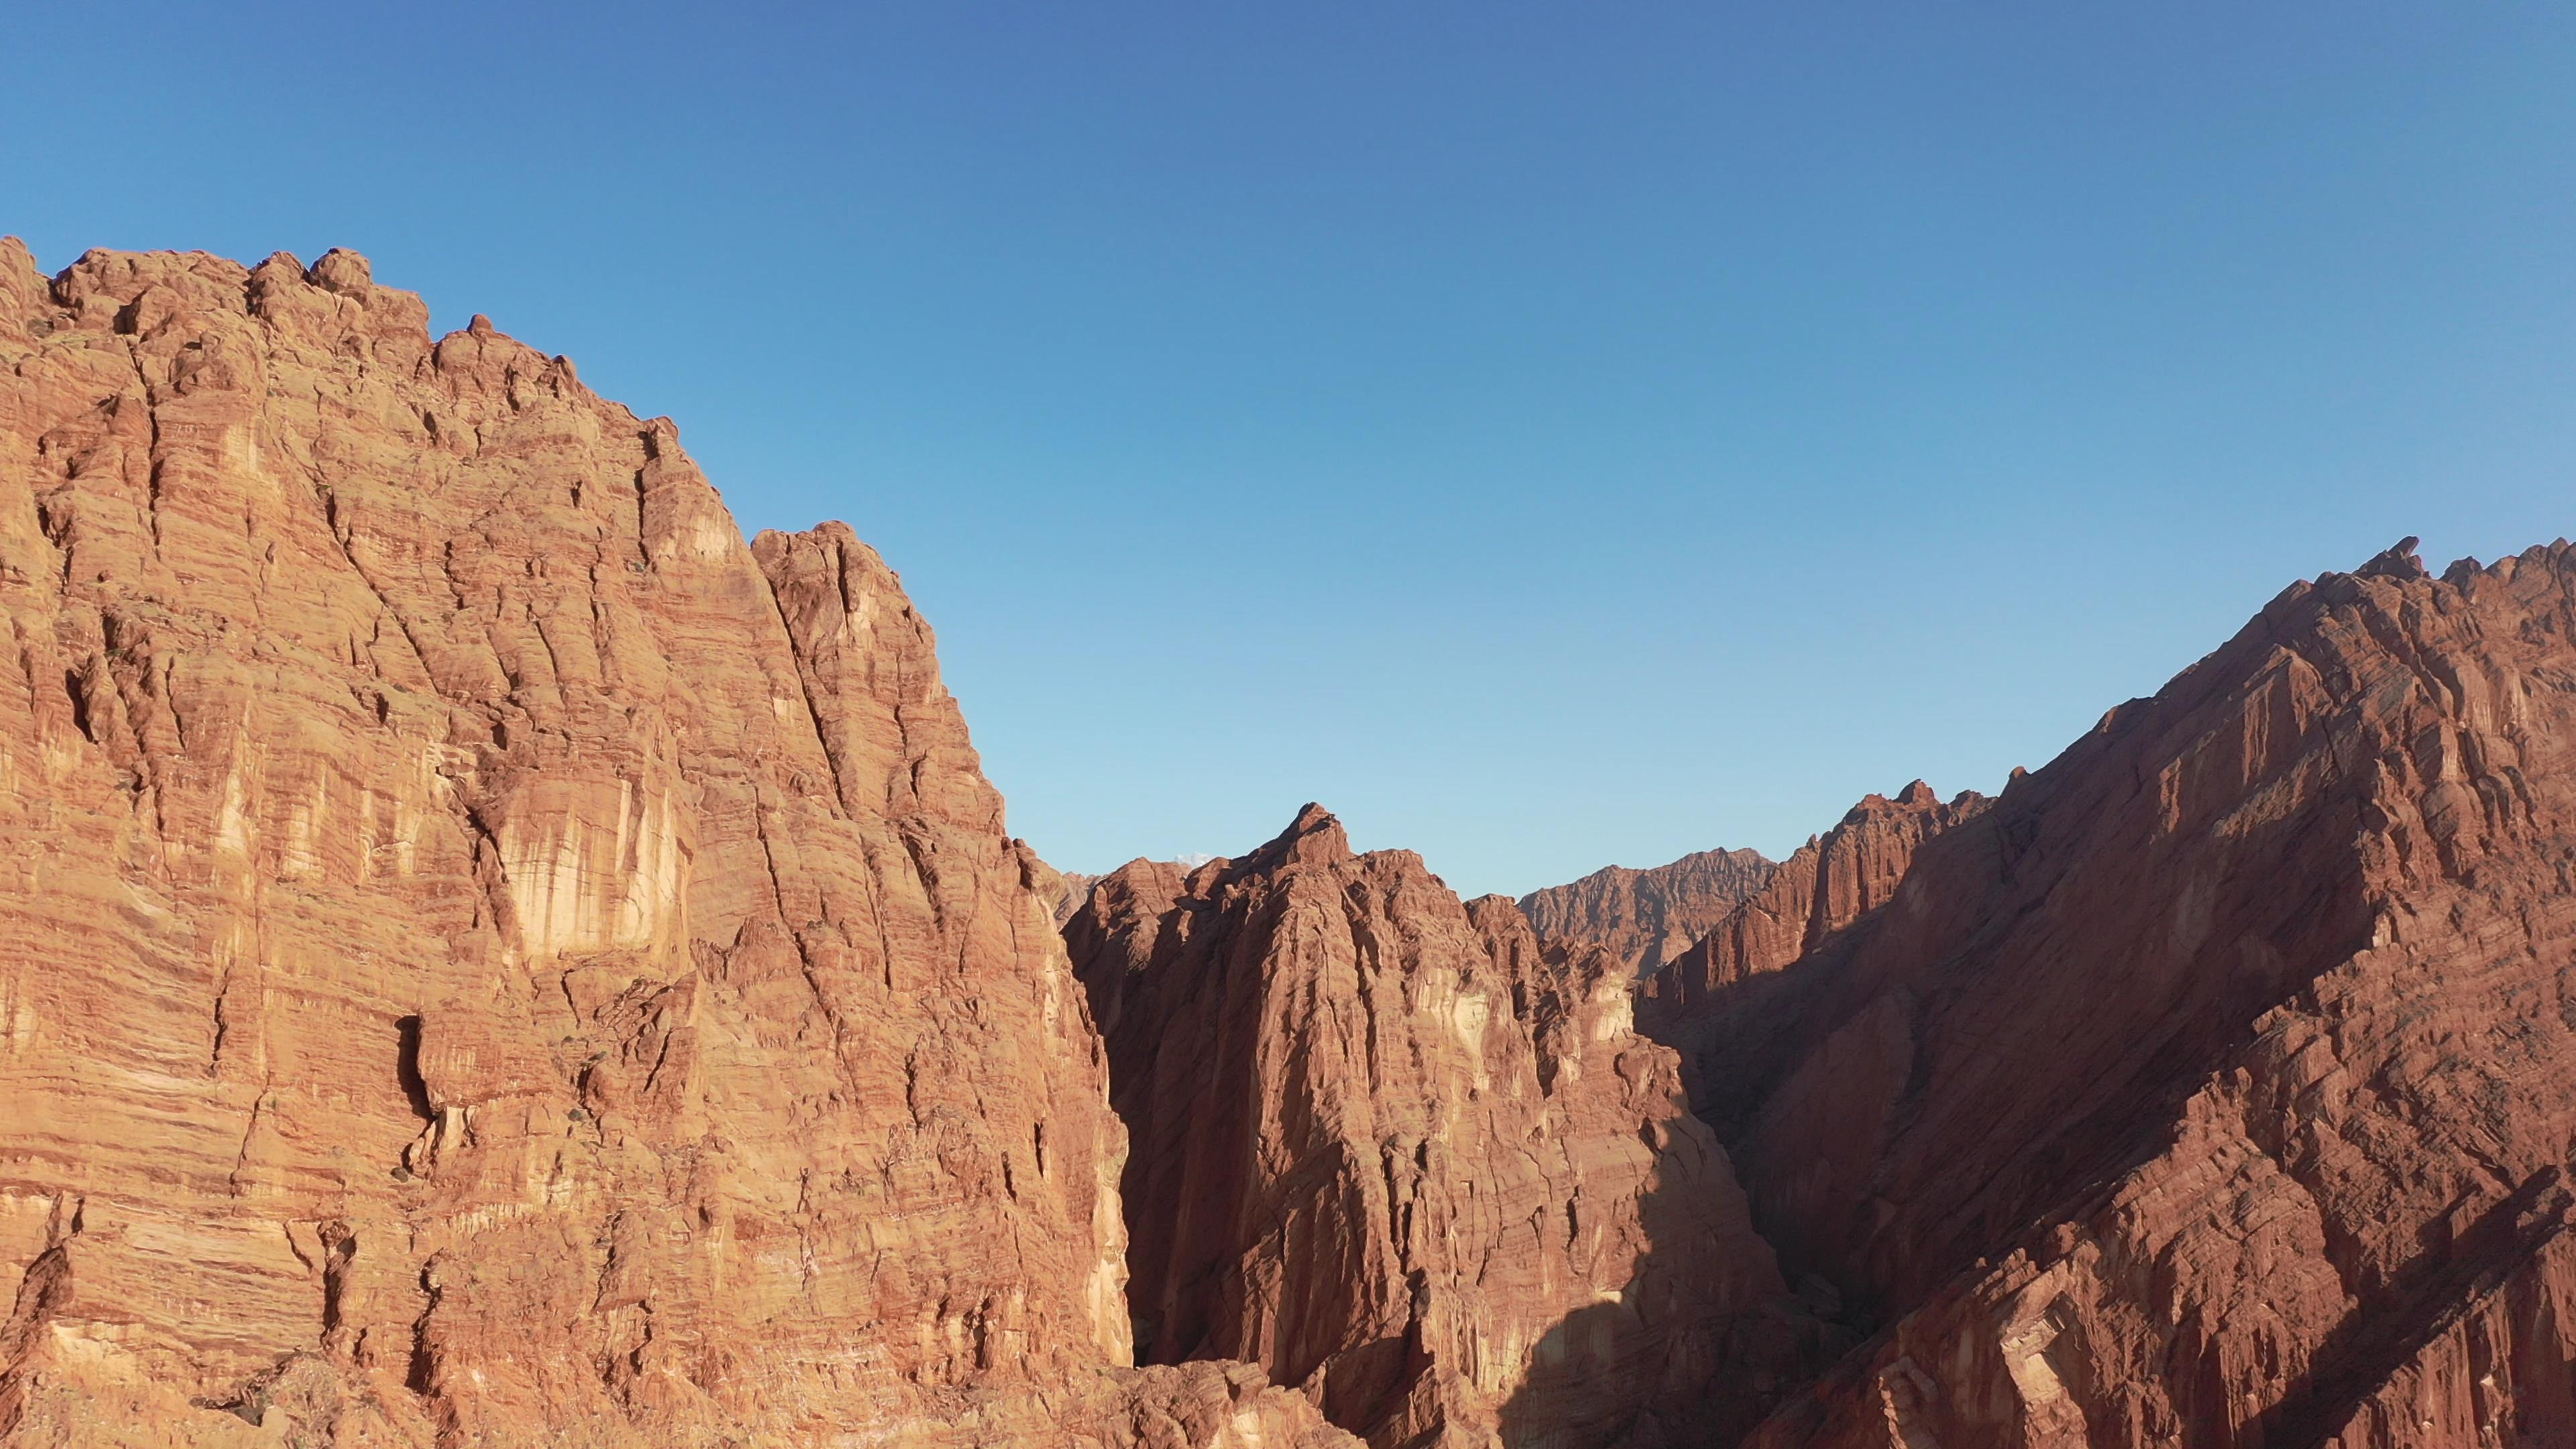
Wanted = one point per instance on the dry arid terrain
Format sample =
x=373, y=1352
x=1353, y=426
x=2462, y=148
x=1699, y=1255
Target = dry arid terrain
x=491, y=957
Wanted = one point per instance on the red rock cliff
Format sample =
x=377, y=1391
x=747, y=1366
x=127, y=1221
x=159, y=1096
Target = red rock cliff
x=1830, y=883
x=2216, y=1084
x=486, y=956
x=1385, y=1151
x=1647, y=917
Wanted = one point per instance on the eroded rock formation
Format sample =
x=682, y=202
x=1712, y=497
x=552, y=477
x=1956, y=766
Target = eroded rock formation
x=1647, y=917
x=1804, y=907
x=1385, y=1150
x=488, y=958
x=2215, y=1084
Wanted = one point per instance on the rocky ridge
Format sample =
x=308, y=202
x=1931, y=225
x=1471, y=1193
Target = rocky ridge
x=1647, y=917
x=2214, y=1084
x=1388, y=1151
x=487, y=957
x=1805, y=904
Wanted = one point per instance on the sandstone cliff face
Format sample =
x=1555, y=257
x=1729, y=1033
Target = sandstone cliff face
x=1830, y=883
x=1647, y=917
x=485, y=956
x=2216, y=1084
x=1385, y=1150
x=1072, y=889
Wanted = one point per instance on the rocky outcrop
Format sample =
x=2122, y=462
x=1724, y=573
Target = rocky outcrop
x=1069, y=899
x=2215, y=1084
x=1647, y=917
x=1828, y=884
x=1063, y=891
x=1705, y=1002
x=1385, y=1150
x=488, y=958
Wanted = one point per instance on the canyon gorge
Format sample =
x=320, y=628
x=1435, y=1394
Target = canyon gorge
x=494, y=958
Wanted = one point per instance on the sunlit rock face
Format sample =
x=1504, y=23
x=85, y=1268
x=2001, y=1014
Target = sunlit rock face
x=1386, y=1151
x=1806, y=903
x=1646, y=917
x=2214, y=1084
x=487, y=957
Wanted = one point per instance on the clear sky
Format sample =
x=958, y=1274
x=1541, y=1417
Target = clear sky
x=1548, y=434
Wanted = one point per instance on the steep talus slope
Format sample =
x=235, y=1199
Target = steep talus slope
x=2215, y=1084
x=1647, y=917
x=1385, y=1150
x=486, y=957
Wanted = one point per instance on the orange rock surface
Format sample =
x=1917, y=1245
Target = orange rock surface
x=487, y=957
x=1386, y=1151
x=1647, y=917
x=1802, y=903
x=2216, y=1083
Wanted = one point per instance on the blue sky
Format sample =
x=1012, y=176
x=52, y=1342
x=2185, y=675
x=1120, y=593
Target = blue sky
x=1549, y=435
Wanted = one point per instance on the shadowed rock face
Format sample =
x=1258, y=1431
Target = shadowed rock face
x=1646, y=917
x=1803, y=903
x=488, y=958
x=484, y=954
x=1387, y=1152
x=2214, y=1085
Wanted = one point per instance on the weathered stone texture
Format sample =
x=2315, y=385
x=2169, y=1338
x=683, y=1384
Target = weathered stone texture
x=1647, y=917
x=485, y=955
x=1385, y=1150
x=2215, y=1084
x=488, y=958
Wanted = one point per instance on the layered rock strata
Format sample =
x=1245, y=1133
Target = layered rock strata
x=487, y=957
x=1391, y=1154
x=2216, y=1084
x=1647, y=917
x=1700, y=1001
